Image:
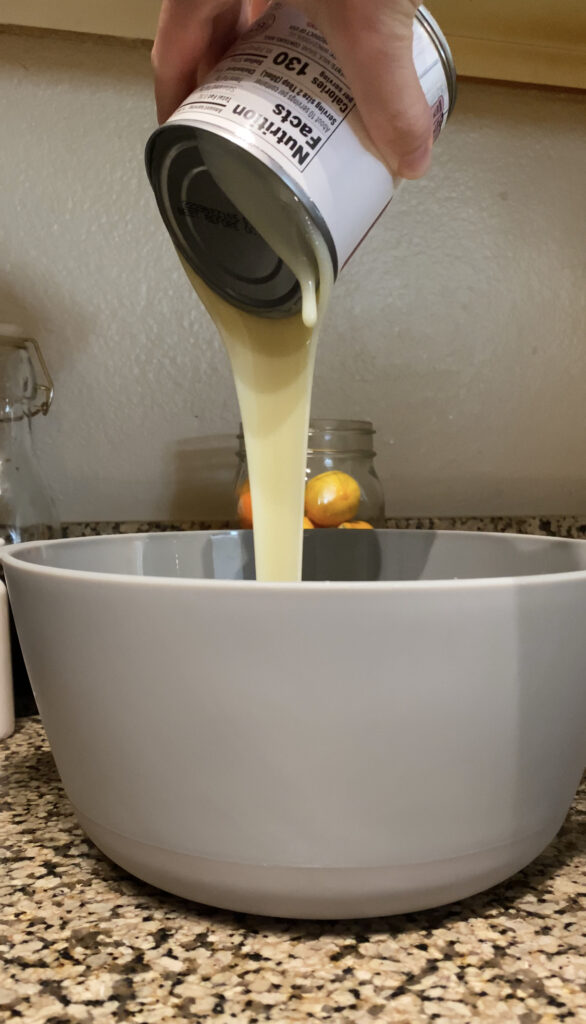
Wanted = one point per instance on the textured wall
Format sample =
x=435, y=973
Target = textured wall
x=459, y=327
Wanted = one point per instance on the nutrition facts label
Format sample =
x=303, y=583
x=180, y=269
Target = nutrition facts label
x=282, y=84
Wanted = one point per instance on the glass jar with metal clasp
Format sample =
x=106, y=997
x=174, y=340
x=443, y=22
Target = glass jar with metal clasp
x=27, y=511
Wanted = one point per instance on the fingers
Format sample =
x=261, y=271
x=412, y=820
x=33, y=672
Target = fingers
x=373, y=41
x=181, y=40
x=191, y=37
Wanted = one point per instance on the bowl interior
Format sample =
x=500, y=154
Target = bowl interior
x=336, y=555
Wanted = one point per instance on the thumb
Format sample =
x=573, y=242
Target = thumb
x=373, y=41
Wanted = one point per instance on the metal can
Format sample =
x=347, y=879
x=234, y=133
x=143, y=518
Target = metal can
x=280, y=95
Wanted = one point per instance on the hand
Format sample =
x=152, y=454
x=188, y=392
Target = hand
x=372, y=39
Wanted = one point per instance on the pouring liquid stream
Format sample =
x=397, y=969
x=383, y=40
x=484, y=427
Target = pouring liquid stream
x=273, y=360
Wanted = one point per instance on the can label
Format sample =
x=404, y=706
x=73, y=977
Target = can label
x=282, y=85
x=281, y=94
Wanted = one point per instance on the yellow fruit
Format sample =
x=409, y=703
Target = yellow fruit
x=357, y=524
x=331, y=498
x=245, y=507
x=307, y=524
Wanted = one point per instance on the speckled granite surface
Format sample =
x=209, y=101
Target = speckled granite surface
x=81, y=941
x=550, y=526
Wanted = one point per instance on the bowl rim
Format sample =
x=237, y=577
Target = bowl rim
x=11, y=556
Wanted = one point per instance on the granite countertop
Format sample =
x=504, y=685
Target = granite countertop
x=80, y=940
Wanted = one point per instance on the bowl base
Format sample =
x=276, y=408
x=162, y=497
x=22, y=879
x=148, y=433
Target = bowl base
x=318, y=893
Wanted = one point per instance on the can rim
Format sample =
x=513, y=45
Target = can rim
x=428, y=22
x=233, y=137
x=310, y=207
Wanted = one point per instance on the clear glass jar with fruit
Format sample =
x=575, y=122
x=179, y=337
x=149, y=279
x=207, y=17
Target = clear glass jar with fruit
x=342, y=486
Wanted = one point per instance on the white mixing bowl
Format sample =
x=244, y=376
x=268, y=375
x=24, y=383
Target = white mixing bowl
x=324, y=749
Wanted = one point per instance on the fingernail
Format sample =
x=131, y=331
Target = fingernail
x=414, y=165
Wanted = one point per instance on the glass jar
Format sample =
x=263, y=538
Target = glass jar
x=344, y=445
x=26, y=507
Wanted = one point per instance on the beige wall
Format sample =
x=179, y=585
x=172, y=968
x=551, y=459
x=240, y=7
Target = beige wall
x=459, y=327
